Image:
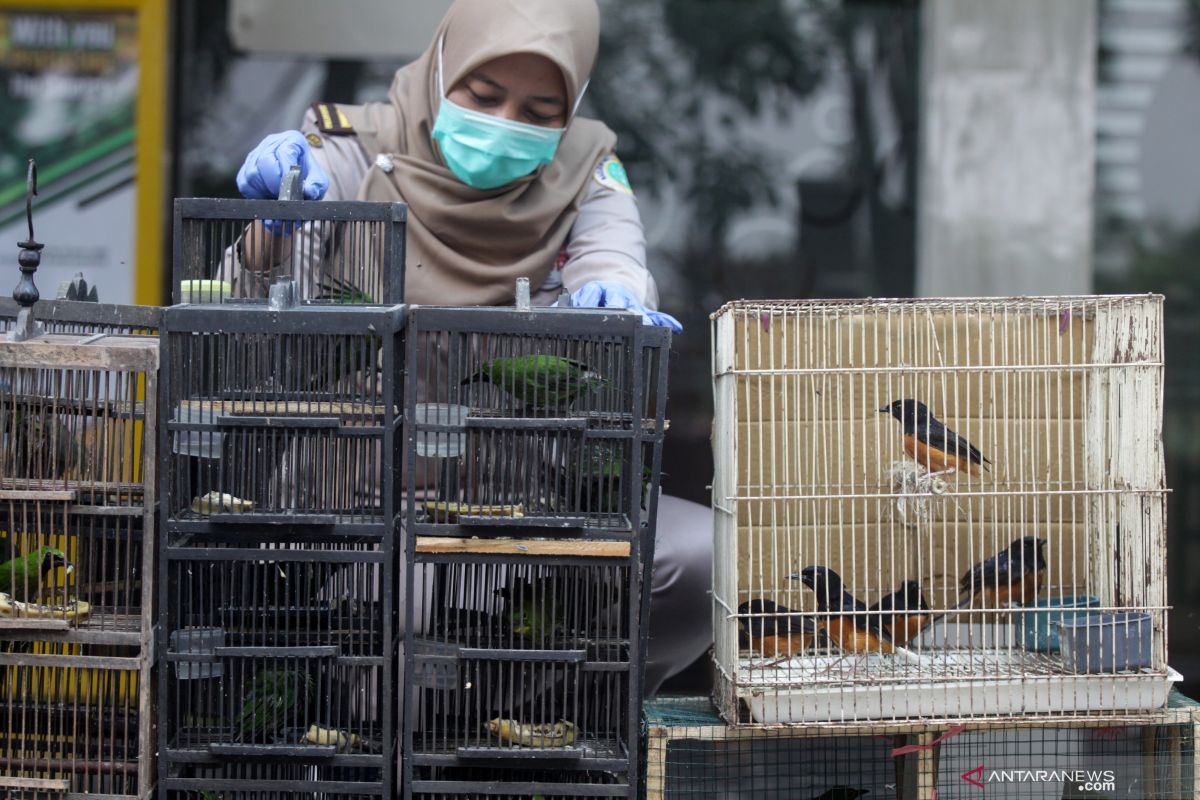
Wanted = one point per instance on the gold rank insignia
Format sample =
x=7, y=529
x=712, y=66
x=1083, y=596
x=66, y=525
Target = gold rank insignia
x=331, y=120
x=314, y=140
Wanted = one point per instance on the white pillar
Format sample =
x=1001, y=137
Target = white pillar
x=1007, y=151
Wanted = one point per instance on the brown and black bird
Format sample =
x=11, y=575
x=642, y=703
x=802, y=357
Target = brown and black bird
x=849, y=631
x=1014, y=575
x=910, y=613
x=931, y=443
x=778, y=632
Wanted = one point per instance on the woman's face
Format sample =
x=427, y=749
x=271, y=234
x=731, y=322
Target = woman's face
x=522, y=87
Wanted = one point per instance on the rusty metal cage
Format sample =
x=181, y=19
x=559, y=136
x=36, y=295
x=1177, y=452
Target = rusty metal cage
x=344, y=252
x=287, y=417
x=550, y=418
x=77, y=553
x=939, y=508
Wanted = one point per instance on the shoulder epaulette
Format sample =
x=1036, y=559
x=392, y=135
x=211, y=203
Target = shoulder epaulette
x=331, y=121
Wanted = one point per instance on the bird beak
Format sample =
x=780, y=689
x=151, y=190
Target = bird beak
x=795, y=576
x=70, y=569
x=884, y=410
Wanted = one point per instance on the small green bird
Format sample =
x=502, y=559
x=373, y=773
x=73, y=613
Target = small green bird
x=596, y=477
x=21, y=578
x=274, y=700
x=540, y=382
x=531, y=611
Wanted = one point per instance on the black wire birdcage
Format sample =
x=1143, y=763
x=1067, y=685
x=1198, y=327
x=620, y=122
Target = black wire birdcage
x=288, y=417
x=273, y=780
x=548, y=418
x=523, y=652
x=343, y=252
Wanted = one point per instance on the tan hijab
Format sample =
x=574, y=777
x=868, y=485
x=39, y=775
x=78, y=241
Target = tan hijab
x=468, y=246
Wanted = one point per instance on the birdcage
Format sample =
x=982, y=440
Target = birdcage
x=75, y=316
x=548, y=418
x=939, y=508
x=337, y=252
x=279, y=651
x=281, y=416
x=523, y=652
x=516, y=782
x=77, y=555
x=691, y=754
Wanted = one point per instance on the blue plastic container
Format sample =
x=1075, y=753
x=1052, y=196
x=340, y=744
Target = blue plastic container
x=1106, y=642
x=1038, y=631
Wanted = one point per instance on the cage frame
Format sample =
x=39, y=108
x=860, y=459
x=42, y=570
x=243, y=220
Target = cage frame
x=428, y=551
x=387, y=322
x=393, y=216
x=731, y=693
x=99, y=338
x=547, y=322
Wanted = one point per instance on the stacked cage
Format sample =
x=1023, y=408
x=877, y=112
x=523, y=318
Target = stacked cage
x=939, y=508
x=693, y=755
x=77, y=551
x=280, y=484
x=532, y=468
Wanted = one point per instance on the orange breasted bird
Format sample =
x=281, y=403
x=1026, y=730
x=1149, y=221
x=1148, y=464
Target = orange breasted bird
x=910, y=613
x=1014, y=575
x=932, y=444
x=778, y=633
x=853, y=633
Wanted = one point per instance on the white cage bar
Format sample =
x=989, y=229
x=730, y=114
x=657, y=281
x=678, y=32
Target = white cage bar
x=1023, y=570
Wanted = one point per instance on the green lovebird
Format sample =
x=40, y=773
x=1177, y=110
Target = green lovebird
x=532, y=612
x=275, y=697
x=21, y=578
x=540, y=382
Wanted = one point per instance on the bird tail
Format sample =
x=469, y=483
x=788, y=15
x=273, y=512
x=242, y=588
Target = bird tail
x=909, y=656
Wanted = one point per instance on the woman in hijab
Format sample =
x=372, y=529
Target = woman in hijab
x=480, y=139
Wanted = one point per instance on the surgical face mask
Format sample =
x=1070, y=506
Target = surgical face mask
x=486, y=152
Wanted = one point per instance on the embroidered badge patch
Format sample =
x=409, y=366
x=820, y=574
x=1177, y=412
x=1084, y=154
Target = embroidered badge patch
x=610, y=173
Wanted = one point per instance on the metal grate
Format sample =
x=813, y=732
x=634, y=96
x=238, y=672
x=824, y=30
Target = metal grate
x=551, y=418
x=343, y=252
x=872, y=565
x=692, y=754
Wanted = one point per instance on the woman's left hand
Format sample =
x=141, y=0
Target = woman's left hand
x=610, y=294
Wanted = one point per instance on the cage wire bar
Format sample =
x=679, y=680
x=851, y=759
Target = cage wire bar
x=278, y=582
x=939, y=508
x=343, y=252
x=533, y=454
x=77, y=553
x=691, y=754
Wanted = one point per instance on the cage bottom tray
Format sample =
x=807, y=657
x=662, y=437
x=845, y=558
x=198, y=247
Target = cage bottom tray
x=835, y=688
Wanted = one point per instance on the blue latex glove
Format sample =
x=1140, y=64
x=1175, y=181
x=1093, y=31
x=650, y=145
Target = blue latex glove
x=266, y=164
x=610, y=294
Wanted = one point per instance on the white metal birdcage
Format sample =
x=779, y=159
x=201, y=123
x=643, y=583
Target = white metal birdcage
x=1018, y=550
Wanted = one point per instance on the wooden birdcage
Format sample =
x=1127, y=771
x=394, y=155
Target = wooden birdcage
x=77, y=517
x=939, y=508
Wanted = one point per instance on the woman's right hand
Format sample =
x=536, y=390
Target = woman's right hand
x=266, y=164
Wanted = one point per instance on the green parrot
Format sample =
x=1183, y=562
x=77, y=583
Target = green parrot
x=540, y=382
x=21, y=578
x=275, y=698
x=532, y=612
x=597, y=479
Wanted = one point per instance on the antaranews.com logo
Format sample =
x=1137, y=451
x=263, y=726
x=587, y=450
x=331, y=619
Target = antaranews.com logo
x=1085, y=780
